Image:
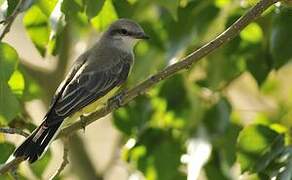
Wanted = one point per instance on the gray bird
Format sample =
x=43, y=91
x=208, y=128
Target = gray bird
x=95, y=75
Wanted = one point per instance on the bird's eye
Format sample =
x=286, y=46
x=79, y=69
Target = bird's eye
x=124, y=31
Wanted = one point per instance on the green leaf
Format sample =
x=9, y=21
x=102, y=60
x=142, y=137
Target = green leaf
x=219, y=113
x=192, y=21
x=281, y=36
x=231, y=66
x=8, y=61
x=39, y=166
x=157, y=155
x=46, y=6
x=16, y=83
x=44, y=22
x=36, y=24
x=6, y=149
x=252, y=33
x=175, y=93
x=229, y=139
x=71, y=8
x=171, y=6
x=105, y=17
x=93, y=7
x=213, y=168
x=258, y=145
x=222, y=3
x=133, y=118
x=167, y=160
x=259, y=62
x=32, y=89
x=9, y=105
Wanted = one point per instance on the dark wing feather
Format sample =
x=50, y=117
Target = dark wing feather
x=76, y=66
x=90, y=86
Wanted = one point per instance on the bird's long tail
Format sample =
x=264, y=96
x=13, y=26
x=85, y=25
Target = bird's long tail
x=34, y=146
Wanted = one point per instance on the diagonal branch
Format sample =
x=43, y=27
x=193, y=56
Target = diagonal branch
x=9, y=130
x=185, y=63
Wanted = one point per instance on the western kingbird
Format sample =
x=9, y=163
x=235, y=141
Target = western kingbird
x=96, y=73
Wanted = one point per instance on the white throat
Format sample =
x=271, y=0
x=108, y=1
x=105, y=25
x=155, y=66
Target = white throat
x=126, y=43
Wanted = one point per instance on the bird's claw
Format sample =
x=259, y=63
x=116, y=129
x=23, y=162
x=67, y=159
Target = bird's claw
x=83, y=122
x=117, y=100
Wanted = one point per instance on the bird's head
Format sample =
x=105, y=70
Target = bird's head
x=126, y=33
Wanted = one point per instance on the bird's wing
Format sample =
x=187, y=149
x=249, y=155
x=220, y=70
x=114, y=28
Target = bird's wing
x=88, y=86
x=74, y=69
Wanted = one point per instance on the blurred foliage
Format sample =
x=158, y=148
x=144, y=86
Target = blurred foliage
x=157, y=126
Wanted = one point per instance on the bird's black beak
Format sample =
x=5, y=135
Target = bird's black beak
x=142, y=36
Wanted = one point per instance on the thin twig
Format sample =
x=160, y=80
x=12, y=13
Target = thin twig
x=65, y=160
x=185, y=63
x=9, y=130
x=10, y=165
x=9, y=20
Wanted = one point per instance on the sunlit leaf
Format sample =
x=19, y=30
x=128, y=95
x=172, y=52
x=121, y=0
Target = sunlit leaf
x=258, y=145
x=252, y=33
x=16, y=83
x=36, y=24
x=32, y=89
x=222, y=3
x=46, y=6
x=105, y=17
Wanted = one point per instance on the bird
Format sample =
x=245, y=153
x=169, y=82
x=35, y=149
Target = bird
x=97, y=73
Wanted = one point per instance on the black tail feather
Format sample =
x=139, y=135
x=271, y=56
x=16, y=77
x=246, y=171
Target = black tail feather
x=32, y=148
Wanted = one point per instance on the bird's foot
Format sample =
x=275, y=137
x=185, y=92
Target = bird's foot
x=83, y=122
x=117, y=100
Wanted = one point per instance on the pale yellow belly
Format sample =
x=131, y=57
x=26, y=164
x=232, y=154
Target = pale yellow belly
x=94, y=106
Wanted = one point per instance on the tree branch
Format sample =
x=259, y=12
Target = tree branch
x=185, y=63
x=65, y=160
x=10, y=165
x=9, y=130
x=9, y=20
